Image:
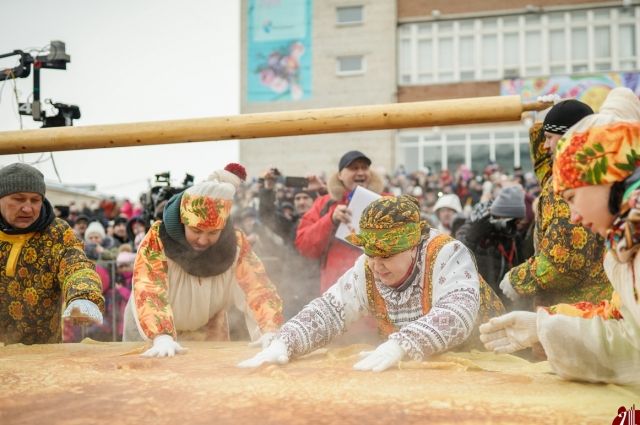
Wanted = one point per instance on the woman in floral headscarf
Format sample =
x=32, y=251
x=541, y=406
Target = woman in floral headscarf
x=421, y=286
x=597, y=168
x=192, y=266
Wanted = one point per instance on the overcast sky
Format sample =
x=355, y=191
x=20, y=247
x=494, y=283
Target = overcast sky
x=131, y=61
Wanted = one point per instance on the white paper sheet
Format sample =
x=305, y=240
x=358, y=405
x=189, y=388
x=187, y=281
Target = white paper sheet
x=359, y=201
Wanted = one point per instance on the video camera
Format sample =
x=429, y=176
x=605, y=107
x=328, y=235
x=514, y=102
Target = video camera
x=56, y=58
x=153, y=202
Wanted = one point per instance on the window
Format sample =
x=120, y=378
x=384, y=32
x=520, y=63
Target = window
x=349, y=15
x=350, y=65
x=527, y=45
x=446, y=149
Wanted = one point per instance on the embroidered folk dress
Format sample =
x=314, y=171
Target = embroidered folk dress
x=166, y=299
x=435, y=309
x=40, y=273
x=567, y=266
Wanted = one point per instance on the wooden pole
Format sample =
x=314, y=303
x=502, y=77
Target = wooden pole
x=271, y=124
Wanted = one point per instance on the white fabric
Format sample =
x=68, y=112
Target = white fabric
x=598, y=350
x=221, y=184
x=386, y=355
x=195, y=300
x=264, y=341
x=276, y=352
x=455, y=303
x=164, y=346
x=450, y=201
x=620, y=105
x=507, y=288
x=510, y=332
x=83, y=310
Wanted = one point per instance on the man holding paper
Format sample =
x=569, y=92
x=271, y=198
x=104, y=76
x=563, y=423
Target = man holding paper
x=421, y=286
x=316, y=235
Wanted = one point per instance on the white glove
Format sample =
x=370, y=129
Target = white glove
x=83, y=312
x=264, y=340
x=276, y=352
x=510, y=332
x=164, y=346
x=507, y=288
x=546, y=98
x=555, y=98
x=383, y=357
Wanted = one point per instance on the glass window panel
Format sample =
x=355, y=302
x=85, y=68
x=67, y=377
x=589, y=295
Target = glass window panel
x=532, y=19
x=405, y=29
x=456, y=138
x=556, y=45
x=408, y=139
x=479, y=136
x=425, y=56
x=424, y=29
x=489, y=23
x=556, y=18
x=627, y=12
x=602, y=41
x=445, y=76
x=466, y=52
x=579, y=16
x=627, y=36
x=504, y=136
x=525, y=157
x=603, y=66
x=411, y=158
x=601, y=14
x=455, y=156
x=533, y=70
x=466, y=25
x=406, y=79
x=504, y=156
x=445, y=27
x=405, y=57
x=533, y=47
x=511, y=49
x=425, y=78
x=579, y=68
x=445, y=57
x=350, y=63
x=480, y=155
x=579, y=44
x=556, y=70
x=489, y=51
x=510, y=21
x=432, y=157
x=628, y=65
x=348, y=15
x=470, y=75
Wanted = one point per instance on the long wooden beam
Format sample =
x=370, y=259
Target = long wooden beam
x=270, y=124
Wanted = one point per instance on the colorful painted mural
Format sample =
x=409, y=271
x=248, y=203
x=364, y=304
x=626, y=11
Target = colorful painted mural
x=591, y=89
x=279, y=50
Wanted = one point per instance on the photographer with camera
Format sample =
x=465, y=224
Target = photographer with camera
x=299, y=275
x=496, y=234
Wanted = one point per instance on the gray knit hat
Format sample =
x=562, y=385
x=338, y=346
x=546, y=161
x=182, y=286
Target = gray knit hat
x=509, y=203
x=20, y=177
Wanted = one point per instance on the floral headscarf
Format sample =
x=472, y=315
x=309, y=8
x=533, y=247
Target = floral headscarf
x=388, y=226
x=602, y=148
x=204, y=212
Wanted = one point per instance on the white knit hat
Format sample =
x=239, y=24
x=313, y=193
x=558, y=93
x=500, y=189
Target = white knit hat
x=450, y=201
x=94, y=228
x=220, y=184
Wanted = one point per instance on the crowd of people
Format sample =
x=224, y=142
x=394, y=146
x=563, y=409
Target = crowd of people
x=540, y=264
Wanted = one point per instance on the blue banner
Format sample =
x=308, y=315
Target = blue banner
x=279, y=50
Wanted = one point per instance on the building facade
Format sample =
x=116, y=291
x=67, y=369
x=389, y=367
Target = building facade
x=371, y=52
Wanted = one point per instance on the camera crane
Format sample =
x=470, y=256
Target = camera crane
x=55, y=59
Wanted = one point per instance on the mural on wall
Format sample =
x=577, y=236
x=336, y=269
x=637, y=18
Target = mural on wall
x=591, y=89
x=279, y=50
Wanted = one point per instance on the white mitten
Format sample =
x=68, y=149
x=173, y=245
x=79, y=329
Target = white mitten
x=510, y=332
x=507, y=288
x=164, y=346
x=264, y=340
x=546, y=98
x=383, y=357
x=83, y=312
x=276, y=352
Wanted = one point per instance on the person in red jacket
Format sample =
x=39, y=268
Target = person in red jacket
x=315, y=237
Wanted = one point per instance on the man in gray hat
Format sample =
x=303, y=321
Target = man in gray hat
x=42, y=264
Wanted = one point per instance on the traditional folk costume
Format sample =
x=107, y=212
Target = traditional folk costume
x=567, y=266
x=436, y=308
x=601, y=342
x=178, y=291
x=43, y=268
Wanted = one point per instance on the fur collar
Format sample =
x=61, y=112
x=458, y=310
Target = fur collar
x=337, y=190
